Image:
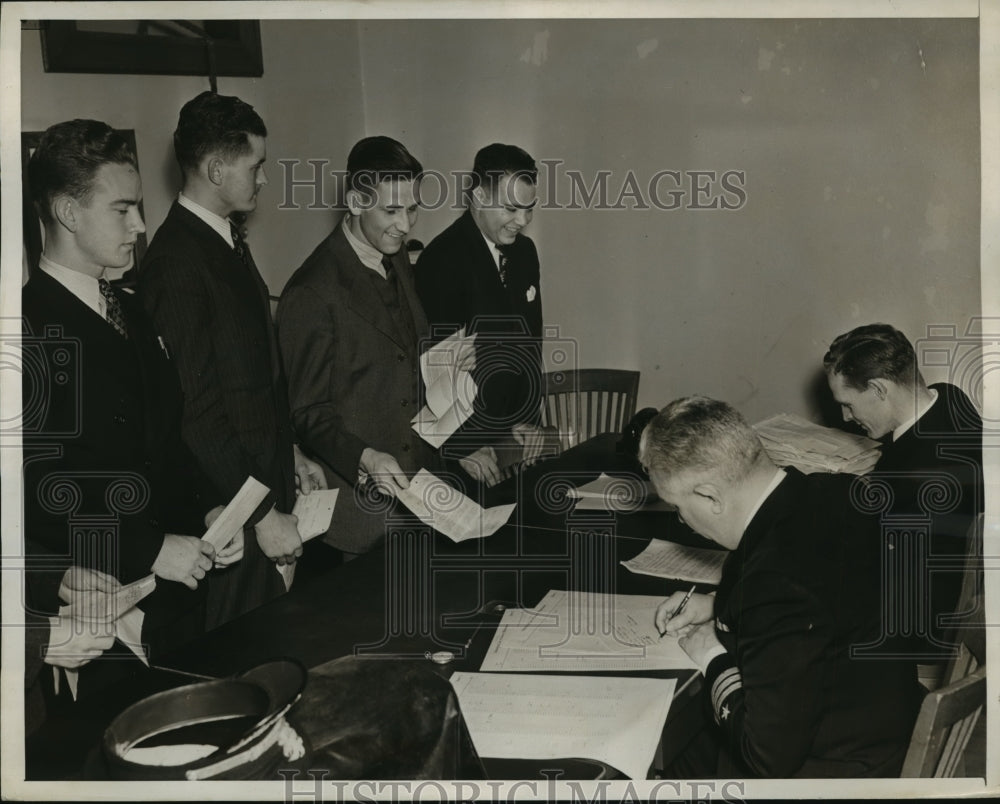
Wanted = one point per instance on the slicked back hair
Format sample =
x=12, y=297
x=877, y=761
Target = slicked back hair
x=498, y=160
x=214, y=124
x=67, y=159
x=697, y=434
x=874, y=351
x=374, y=160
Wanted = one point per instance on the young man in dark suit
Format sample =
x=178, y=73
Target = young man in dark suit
x=932, y=460
x=210, y=307
x=800, y=591
x=350, y=326
x=482, y=273
x=107, y=484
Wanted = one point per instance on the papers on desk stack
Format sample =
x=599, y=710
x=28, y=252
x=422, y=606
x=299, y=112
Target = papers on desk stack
x=670, y=560
x=622, y=494
x=449, y=386
x=793, y=441
x=615, y=720
x=584, y=632
x=450, y=512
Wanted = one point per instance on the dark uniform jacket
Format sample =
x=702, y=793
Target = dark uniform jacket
x=935, y=471
x=799, y=591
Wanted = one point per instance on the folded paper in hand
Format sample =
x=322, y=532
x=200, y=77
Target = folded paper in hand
x=450, y=389
x=235, y=515
x=450, y=512
x=314, y=512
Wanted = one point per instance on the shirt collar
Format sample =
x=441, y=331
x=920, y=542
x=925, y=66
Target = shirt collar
x=901, y=430
x=370, y=257
x=494, y=249
x=216, y=222
x=83, y=286
x=779, y=475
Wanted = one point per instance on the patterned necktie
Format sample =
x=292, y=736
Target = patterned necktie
x=240, y=246
x=503, y=266
x=112, y=308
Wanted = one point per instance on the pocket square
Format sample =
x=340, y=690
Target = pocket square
x=531, y=293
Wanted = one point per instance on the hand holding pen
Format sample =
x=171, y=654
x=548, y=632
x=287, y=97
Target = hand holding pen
x=681, y=610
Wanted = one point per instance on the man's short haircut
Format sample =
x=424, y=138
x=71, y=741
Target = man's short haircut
x=374, y=160
x=874, y=351
x=68, y=157
x=498, y=160
x=215, y=124
x=698, y=434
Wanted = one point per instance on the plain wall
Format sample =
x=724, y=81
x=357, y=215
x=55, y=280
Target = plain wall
x=859, y=141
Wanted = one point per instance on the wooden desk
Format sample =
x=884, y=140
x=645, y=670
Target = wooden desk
x=422, y=593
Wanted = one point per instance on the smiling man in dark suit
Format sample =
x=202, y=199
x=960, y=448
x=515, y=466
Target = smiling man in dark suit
x=350, y=326
x=210, y=306
x=482, y=273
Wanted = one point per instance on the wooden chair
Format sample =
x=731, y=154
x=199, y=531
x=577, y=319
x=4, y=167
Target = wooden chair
x=946, y=721
x=949, y=714
x=586, y=402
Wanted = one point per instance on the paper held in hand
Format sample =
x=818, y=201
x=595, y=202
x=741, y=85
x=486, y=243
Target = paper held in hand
x=664, y=559
x=314, y=512
x=450, y=389
x=235, y=515
x=119, y=606
x=449, y=511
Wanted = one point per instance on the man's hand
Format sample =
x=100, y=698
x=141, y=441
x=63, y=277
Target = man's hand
x=309, y=475
x=82, y=584
x=212, y=515
x=532, y=438
x=482, y=465
x=699, y=641
x=231, y=553
x=278, y=536
x=384, y=471
x=73, y=643
x=699, y=609
x=184, y=559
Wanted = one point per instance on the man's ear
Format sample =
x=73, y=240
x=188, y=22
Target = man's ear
x=710, y=492
x=214, y=169
x=356, y=202
x=479, y=197
x=64, y=209
x=879, y=387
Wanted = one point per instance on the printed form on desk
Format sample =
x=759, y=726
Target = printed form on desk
x=585, y=632
x=624, y=494
x=664, y=559
x=450, y=512
x=615, y=720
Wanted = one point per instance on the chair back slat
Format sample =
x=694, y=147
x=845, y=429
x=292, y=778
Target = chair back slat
x=587, y=402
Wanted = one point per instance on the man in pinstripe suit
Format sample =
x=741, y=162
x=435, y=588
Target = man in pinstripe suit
x=210, y=306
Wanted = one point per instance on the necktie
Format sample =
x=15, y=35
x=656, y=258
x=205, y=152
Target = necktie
x=112, y=309
x=240, y=246
x=387, y=265
x=503, y=266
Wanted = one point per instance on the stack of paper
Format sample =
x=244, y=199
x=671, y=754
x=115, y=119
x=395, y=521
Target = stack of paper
x=615, y=720
x=450, y=512
x=450, y=389
x=793, y=441
x=670, y=560
x=585, y=632
x=621, y=494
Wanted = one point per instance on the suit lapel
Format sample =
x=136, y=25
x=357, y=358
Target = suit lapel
x=360, y=293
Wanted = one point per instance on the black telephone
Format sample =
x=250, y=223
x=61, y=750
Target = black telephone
x=629, y=444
